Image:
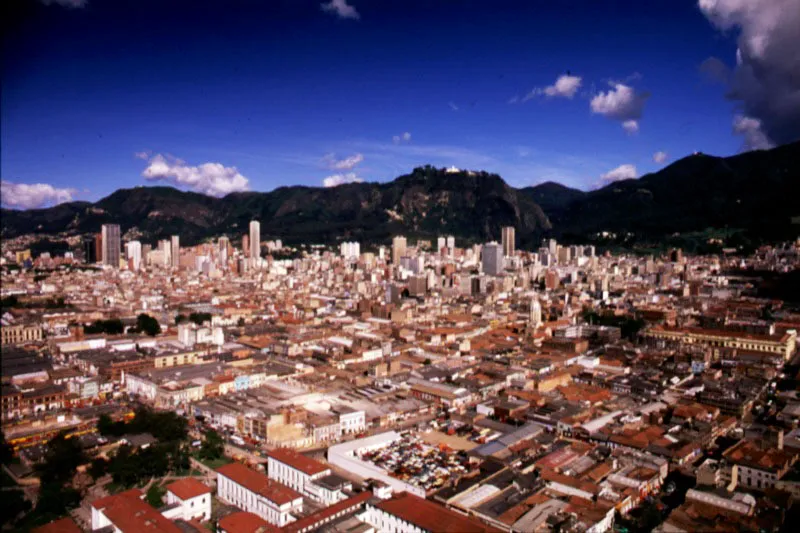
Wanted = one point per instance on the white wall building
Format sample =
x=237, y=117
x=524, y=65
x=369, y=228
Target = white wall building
x=254, y=492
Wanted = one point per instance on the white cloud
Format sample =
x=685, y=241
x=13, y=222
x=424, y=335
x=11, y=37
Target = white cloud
x=341, y=9
x=142, y=155
x=631, y=126
x=751, y=129
x=621, y=103
x=403, y=137
x=660, y=157
x=565, y=87
x=622, y=172
x=32, y=195
x=213, y=179
x=72, y=4
x=348, y=163
x=341, y=179
x=766, y=76
x=453, y=106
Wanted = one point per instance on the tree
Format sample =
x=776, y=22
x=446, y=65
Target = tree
x=14, y=503
x=155, y=495
x=55, y=501
x=98, y=468
x=180, y=319
x=200, y=318
x=147, y=324
x=213, y=446
x=61, y=461
x=6, y=452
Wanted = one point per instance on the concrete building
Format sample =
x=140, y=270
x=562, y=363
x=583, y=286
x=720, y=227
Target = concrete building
x=509, y=241
x=398, y=249
x=112, y=247
x=254, y=492
x=255, y=242
x=192, y=498
x=492, y=259
x=175, y=251
x=134, y=254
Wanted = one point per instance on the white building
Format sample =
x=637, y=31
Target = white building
x=255, y=242
x=254, y=492
x=191, y=497
x=134, y=254
x=492, y=259
x=406, y=513
x=307, y=476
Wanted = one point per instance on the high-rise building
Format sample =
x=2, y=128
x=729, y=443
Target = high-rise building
x=509, y=239
x=134, y=254
x=398, y=249
x=441, y=242
x=255, y=241
x=222, y=250
x=492, y=259
x=350, y=250
x=451, y=243
x=175, y=250
x=552, y=246
x=165, y=247
x=98, y=248
x=246, y=245
x=112, y=246
x=90, y=249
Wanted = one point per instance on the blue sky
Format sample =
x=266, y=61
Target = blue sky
x=215, y=95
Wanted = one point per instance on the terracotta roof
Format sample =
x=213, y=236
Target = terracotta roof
x=298, y=461
x=355, y=502
x=62, y=525
x=259, y=483
x=129, y=514
x=430, y=516
x=243, y=522
x=130, y=493
x=188, y=488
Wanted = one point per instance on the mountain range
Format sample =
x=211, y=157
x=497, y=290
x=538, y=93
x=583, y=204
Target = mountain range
x=755, y=193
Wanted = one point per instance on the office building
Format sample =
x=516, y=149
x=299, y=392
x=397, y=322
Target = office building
x=255, y=241
x=398, y=249
x=492, y=259
x=508, y=238
x=175, y=251
x=112, y=246
x=451, y=243
x=222, y=250
x=134, y=254
x=165, y=247
x=441, y=243
x=90, y=249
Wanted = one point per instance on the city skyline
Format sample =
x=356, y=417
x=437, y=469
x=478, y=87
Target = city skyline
x=240, y=98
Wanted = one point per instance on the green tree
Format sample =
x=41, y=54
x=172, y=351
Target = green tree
x=61, y=461
x=213, y=446
x=147, y=324
x=155, y=495
x=14, y=504
x=6, y=452
x=200, y=318
x=54, y=502
x=180, y=319
x=98, y=468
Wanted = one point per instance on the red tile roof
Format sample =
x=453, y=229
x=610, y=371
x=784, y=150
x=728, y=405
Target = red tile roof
x=430, y=516
x=243, y=522
x=62, y=525
x=298, y=461
x=355, y=502
x=257, y=482
x=188, y=488
x=130, y=514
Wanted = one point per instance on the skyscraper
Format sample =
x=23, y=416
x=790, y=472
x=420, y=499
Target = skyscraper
x=398, y=249
x=441, y=242
x=134, y=254
x=246, y=245
x=222, y=250
x=112, y=247
x=492, y=259
x=176, y=251
x=509, y=237
x=255, y=241
x=165, y=247
x=90, y=249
